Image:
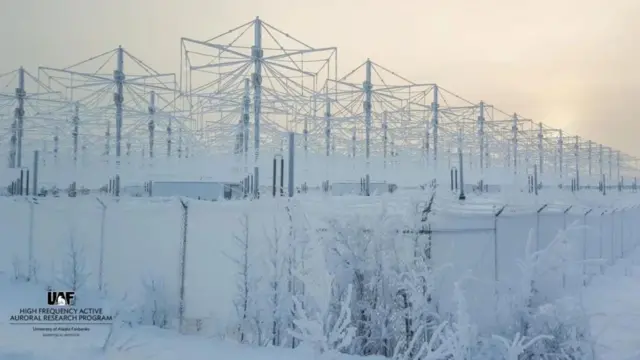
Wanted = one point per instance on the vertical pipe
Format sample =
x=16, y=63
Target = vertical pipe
x=275, y=174
x=535, y=179
x=618, y=165
x=282, y=176
x=35, y=172
x=291, y=163
x=462, y=195
x=576, y=148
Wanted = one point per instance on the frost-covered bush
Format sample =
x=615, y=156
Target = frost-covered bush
x=73, y=274
x=559, y=324
x=156, y=308
x=367, y=285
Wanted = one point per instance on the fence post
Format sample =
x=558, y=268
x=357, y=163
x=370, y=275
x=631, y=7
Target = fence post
x=584, y=247
x=564, y=228
x=613, y=227
x=30, y=260
x=35, y=172
x=101, y=254
x=538, y=226
x=622, y=213
x=564, y=220
x=601, y=243
x=495, y=244
x=183, y=262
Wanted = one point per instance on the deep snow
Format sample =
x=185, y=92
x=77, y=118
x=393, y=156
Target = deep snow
x=611, y=301
x=19, y=342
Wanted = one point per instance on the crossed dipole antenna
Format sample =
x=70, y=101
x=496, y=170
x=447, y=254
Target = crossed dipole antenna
x=116, y=91
x=246, y=87
x=27, y=113
x=254, y=81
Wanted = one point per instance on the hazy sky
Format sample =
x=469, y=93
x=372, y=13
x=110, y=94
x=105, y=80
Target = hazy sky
x=568, y=63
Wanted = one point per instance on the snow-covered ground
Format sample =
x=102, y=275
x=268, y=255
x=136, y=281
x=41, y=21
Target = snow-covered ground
x=611, y=302
x=292, y=262
x=20, y=342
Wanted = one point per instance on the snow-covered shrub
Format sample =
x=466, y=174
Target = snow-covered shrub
x=249, y=306
x=155, y=309
x=16, y=264
x=358, y=252
x=327, y=332
x=558, y=324
x=73, y=272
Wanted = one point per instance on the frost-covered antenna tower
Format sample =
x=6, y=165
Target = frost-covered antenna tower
x=367, y=88
x=610, y=163
x=75, y=132
x=56, y=145
x=118, y=99
x=116, y=85
x=152, y=123
x=327, y=122
x=169, y=139
x=285, y=77
x=590, y=156
x=246, y=118
x=353, y=142
x=25, y=112
x=481, y=140
x=372, y=95
x=385, y=138
x=435, y=121
x=540, y=149
x=107, y=139
x=618, y=164
x=560, y=153
x=601, y=160
x=19, y=121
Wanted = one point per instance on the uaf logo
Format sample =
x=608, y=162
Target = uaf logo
x=58, y=298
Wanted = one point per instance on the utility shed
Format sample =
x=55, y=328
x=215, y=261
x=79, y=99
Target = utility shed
x=201, y=190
